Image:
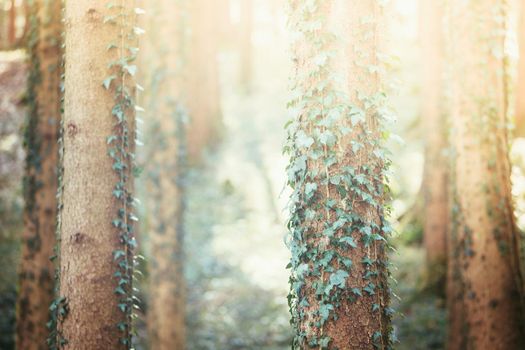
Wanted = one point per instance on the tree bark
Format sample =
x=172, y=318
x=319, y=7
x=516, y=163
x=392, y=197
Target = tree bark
x=96, y=219
x=203, y=79
x=435, y=177
x=484, y=270
x=11, y=28
x=520, y=90
x=36, y=276
x=165, y=60
x=340, y=294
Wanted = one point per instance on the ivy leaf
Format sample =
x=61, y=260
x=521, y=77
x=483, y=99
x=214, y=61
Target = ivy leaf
x=367, y=261
x=376, y=336
x=310, y=189
x=327, y=138
x=107, y=82
x=302, y=140
x=301, y=270
x=338, y=278
x=339, y=223
x=309, y=214
x=131, y=69
x=348, y=240
x=324, y=342
x=328, y=232
x=347, y=262
x=111, y=139
x=366, y=230
x=120, y=290
x=357, y=292
x=118, y=254
x=324, y=312
x=357, y=115
x=356, y=146
x=327, y=258
x=335, y=180
x=370, y=289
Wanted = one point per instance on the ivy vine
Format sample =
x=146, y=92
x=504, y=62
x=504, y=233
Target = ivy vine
x=121, y=148
x=338, y=172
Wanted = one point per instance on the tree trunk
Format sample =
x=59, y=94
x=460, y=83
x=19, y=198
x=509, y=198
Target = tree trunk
x=339, y=297
x=97, y=219
x=435, y=178
x=11, y=28
x=246, y=50
x=520, y=90
x=3, y=30
x=165, y=130
x=484, y=250
x=203, y=78
x=36, y=275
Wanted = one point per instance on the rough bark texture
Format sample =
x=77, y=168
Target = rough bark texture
x=165, y=138
x=361, y=322
x=484, y=275
x=520, y=90
x=88, y=237
x=36, y=276
x=203, y=78
x=435, y=177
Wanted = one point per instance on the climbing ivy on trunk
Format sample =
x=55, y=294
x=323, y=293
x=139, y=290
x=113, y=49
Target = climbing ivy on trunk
x=338, y=169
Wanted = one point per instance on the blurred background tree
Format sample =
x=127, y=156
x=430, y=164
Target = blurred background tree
x=37, y=272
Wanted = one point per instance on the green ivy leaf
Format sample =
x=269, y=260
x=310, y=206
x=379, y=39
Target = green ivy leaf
x=302, y=140
x=107, y=82
x=348, y=240
x=131, y=69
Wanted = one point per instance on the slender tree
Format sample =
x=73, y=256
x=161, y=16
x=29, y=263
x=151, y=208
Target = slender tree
x=97, y=241
x=3, y=33
x=36, y=276
x=339, y=292
x=164, y=59
x=520, y=91
x=245, y=49
x=435, y=181
x=11, y=27
x=203, y=78
x=485, y=310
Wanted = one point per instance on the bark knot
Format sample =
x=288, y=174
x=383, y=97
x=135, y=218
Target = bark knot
x=72, y=129
x=93, y=15
x=78, y=238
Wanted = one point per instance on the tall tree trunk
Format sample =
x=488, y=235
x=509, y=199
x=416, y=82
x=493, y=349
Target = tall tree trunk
x=484, y=250
x=203, y=78
x=165, y=129
x=520, y=91
x=36, y=276
x=245, y=49
x=339, y=297
x=11, y=28
x=3, y=29
x=435, y=178
x=97, y=219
